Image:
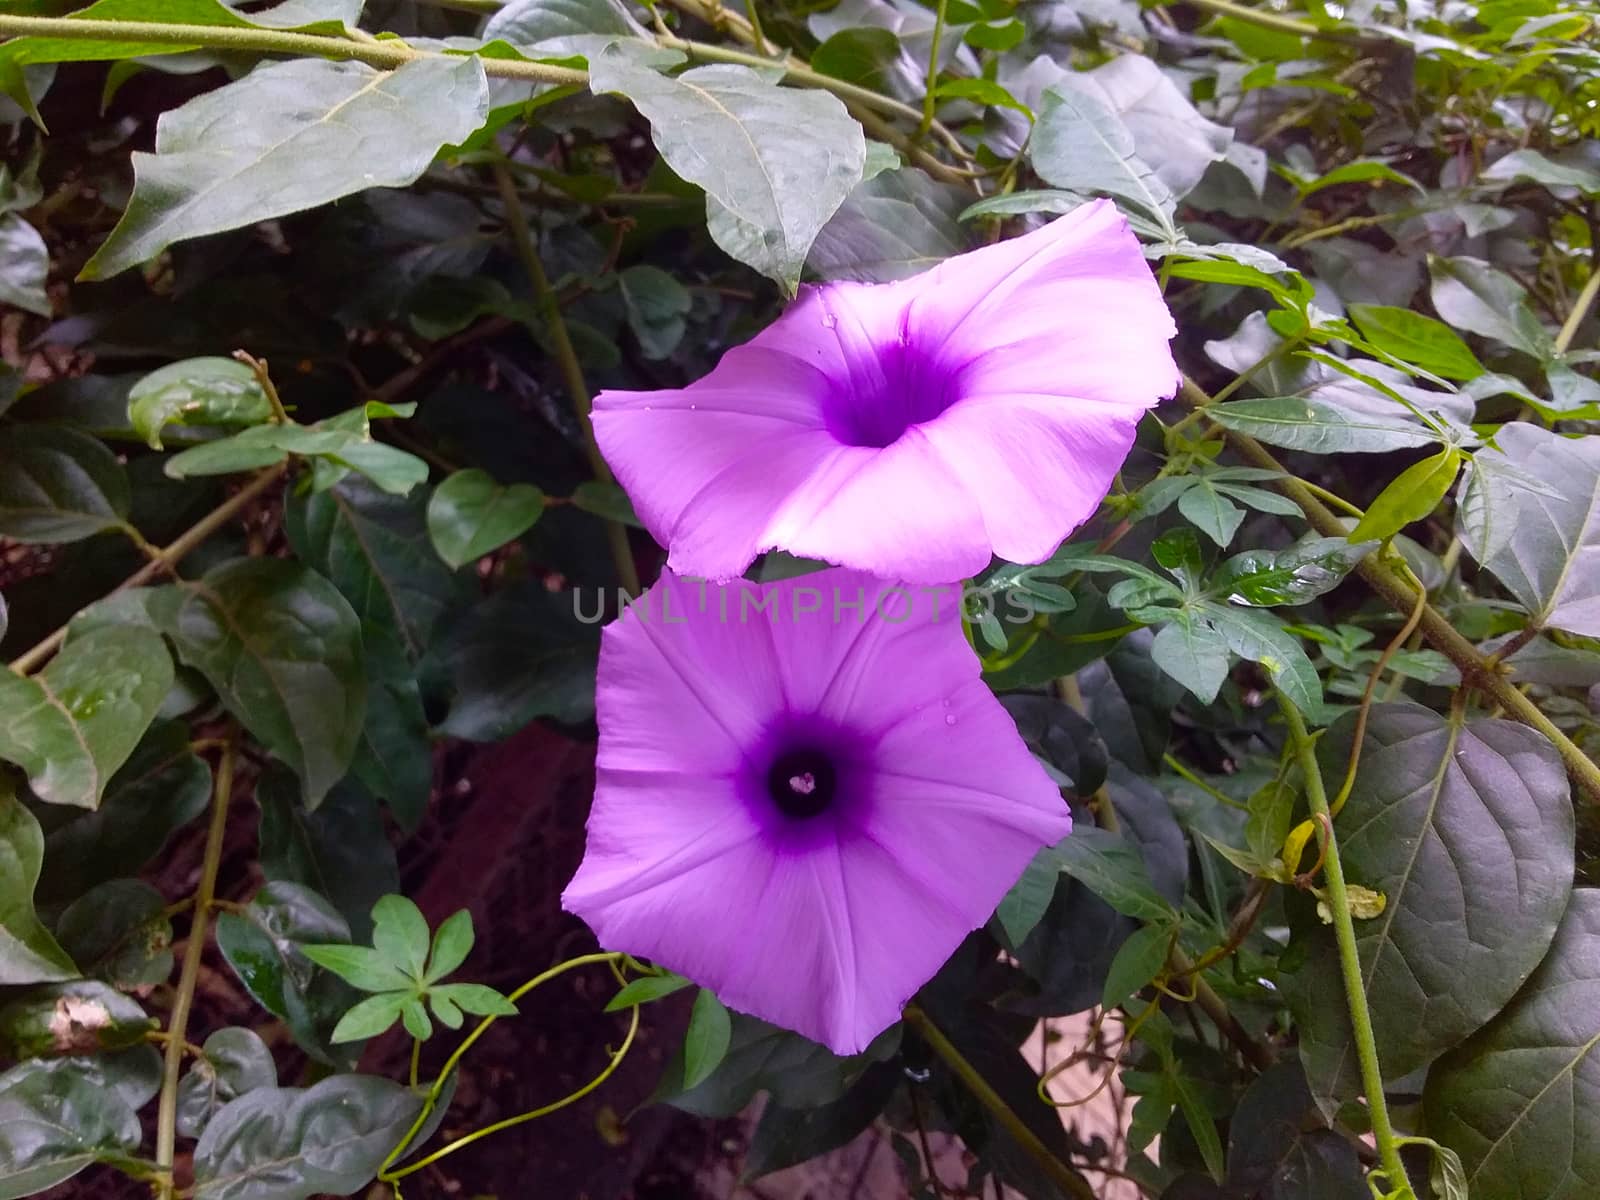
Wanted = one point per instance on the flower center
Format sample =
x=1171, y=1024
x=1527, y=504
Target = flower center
x=899, y=386
x=802, y=783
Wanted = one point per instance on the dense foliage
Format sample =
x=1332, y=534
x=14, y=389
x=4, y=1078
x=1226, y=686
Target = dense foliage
x=304, y=308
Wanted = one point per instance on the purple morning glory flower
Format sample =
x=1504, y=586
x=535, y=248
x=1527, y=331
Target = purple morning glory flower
x=806, y=796
x=915, y=428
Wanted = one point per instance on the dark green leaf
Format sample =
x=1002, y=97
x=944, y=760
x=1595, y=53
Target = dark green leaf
x=235, y=1062
x=1304, y=571
x=1194, y=653
x=1416, y=339
x=1025, y=904
x=1110, y=867
x=28, y=954
x=860, y=55
x=237, y=155
x=293, y=1143
x=605, y=500
x=775, y=163
x=705, y=1045
x=161, y=787
x=1467, y=831
x=1280, y=1149
x=785, y=1137
x=282, y=648
x=58, y=485
x=81, y=1016
x=196, y=391
x=71, y=726
x=394, y=760
x=54, y=1125
x=1080, y=144
x=1062, y=737
x=657, y=305
x=1260, y=638
x=891, y=226
x=643, y=991
x=120, y=932
x=470, y=515
x=1514, y=1101
x=262, y=947
x=341, y=850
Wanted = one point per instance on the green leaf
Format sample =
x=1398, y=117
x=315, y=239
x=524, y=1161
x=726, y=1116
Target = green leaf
x=1468, y=832
x=1416, y=339
x=475, y=998
x=558, y=28
x=1274, y=578
x=1260, y=638
x=785, y=1137
x=282, y=648
x=1547, y=552
x=71, y=726
x=452, y=942
x=359, y=966
x=470, y=515
x=775, y=163
x=374, y=548
x=80, y=1016
x=394, y=761
x=1194, y=653
x=1279, y=1148
x=400, y=933
x=1138, y=962
x=58, y=485
x=1472, y=295
x=1110, y=867
x=369, y=1018
x=705, y=1044
x=28, y=954
x=605, y=500
x=1411, y=496
x=1080, y=144
x=342, y=850
x=293, y=1143
x=1212, y=513
x=119, y=931
x=336, y=446
x=1362, y=170
x=1514, y=1101
x=1025, y=904
x=262, y=947
x=162, y=787
x=1299, y=424
x=235, y=1062
x=196, y=391
x=24, y=266
x=236, y=155
x=861, y=55
x=1530, y=165
x=643, y=991
x=657, y=305
x=891, y=226
x=53, y=1125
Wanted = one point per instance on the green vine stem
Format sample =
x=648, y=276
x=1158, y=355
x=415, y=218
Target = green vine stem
x=163, y=559
x=1064, y=1176
x=1349, y=960
x=1476, y=670
x=189, y=976
x=567, y=356
x=436, y=1089
x=386, y=54
x=928, y=100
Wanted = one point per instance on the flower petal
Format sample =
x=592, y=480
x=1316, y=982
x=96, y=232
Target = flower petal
x=1037, y=465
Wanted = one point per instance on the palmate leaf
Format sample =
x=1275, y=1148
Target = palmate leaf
x=775, y=163
x=238, y=154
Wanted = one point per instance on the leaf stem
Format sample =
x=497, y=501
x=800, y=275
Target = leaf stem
x=164, y=559
x=1401, y=595
x=933, y=69
x=567, y=357
x=183, y=1000
x=386, y=54
x=1349, y=959
x=1064, y=1176
x=1580, y=310
x=1253, y=16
